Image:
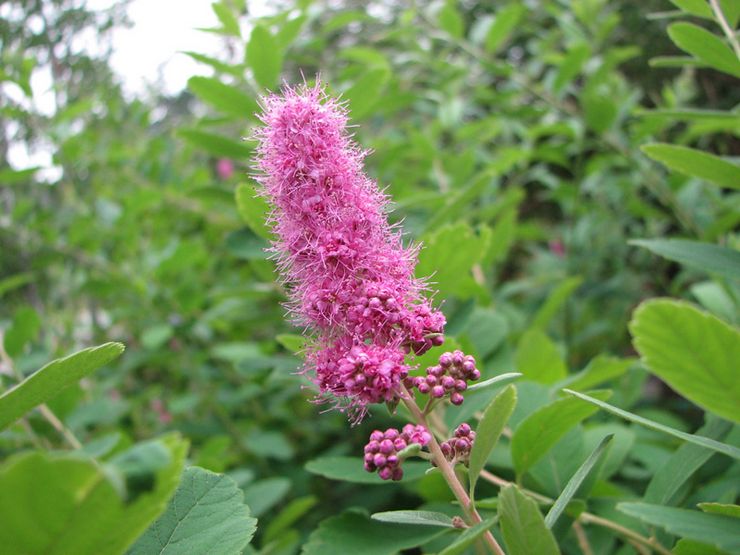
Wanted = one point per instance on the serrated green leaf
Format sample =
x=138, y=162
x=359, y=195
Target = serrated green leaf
x=422, y=518
x=56, y=504
x=47, y=382
x=695, y=163
x=264, y=56
x=575, y=482
x=353, y=532
x=522, y=525
x=351, y=469
x=206, y=514
x=704, y=46
x=717, y=530
x=702, y=441
x=538, y=358
x=712, y=259
x=253, y=209
x=225, y=98
x=489, y=429
x=695, y=353
x=216, y=144
x=539, y=431
x=507, y=18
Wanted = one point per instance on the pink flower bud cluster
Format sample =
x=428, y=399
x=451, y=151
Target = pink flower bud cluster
x=351, y=278
x=449, y=377
x=381, y=452
x=457, y=448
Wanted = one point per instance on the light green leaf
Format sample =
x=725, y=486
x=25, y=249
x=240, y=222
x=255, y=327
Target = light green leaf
x=575, y=482
x=727, y=509
x=366, y=92
x=227, y=18
x=23, y=330
x=253, y=209
x=695, y=163
x=542, y=429
x=690, y=114
x=702, y=441
x=351, y=469
x=450, y=20
x=499, y=381
x=704, y=46
x=226, y=98
x=712, y=259
x=422, y=518
x=216, y=144
x=488, y=431
x=698, y=8
x=717, y=530
x=695, y=353
x=353, y=532
x=13, y=282
x=538, y=358
x=206, y=514
x=557, y=298
x=682, y=464
x=46, y=383
x=467, y=538
x=600, y=369
x=522, y=525
x=265, y=57
x=218, y=65
x=288, y=516
x=62, y=504
x=261, y=496
x=294, y=343
x=571, y=66
x=506, y=20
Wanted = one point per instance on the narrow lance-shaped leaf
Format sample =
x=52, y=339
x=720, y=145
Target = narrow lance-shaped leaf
x=522, y=525
x=702, y=441
x=575, y=482
x=423, y=518
x=713, y=259
x=695, y=163
x=46, y=383
x=705, y=46
x=488, y=431
x=693, y=351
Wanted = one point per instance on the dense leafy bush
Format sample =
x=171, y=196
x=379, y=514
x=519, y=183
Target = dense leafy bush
x=570, y=170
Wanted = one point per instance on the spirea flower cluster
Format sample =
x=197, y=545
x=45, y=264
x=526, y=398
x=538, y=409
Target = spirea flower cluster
x=381, y=452
x=450, y=376
x=351, y=278
x=457, y=448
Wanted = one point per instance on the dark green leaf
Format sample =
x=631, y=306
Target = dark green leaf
x=522, y=525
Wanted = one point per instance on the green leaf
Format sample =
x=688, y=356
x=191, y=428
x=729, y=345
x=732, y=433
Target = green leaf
x=449, y=255
x=695, y=353
x=600, y=369
x=575, y=482
x=206, y=514
x=506, y=20
x=467, y=538
x=366, y=92
x=691, y=547
x=702, y=441
x=23, y=330
x=261, y=496
x=712, y=259
x=571, y=66
x=499, y=381
x=717, y=530
x=489, y=429
x=682, y=464
x=14, y=282
x=353, y=532
x=557, y=298
x=228, y=20
x=695, y=163
x=522, y=525
x=253, y=209
x=288, y=516
x=265, y=57
x=46, y=383
x=216, y=144
x=727, y=509
x=450, y=20
x=704, y=46
x=294, y=343
x=350, y=469
x=422, y=518
x=226, y=98
x=62, y=504
x=538, y=358
x=698, y=8
x=690, y=114
x=218, y=65
x=542, y=429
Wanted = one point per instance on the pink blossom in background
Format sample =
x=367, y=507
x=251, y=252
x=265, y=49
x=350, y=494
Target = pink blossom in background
x=350, y=276
x=224, y=168
x=557, y=248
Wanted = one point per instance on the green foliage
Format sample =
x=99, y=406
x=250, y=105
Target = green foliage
x=522, y=524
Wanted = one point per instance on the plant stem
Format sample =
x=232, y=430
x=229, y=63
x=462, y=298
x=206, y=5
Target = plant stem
x=586, y=518
x=449, y=474
x=722, y=20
